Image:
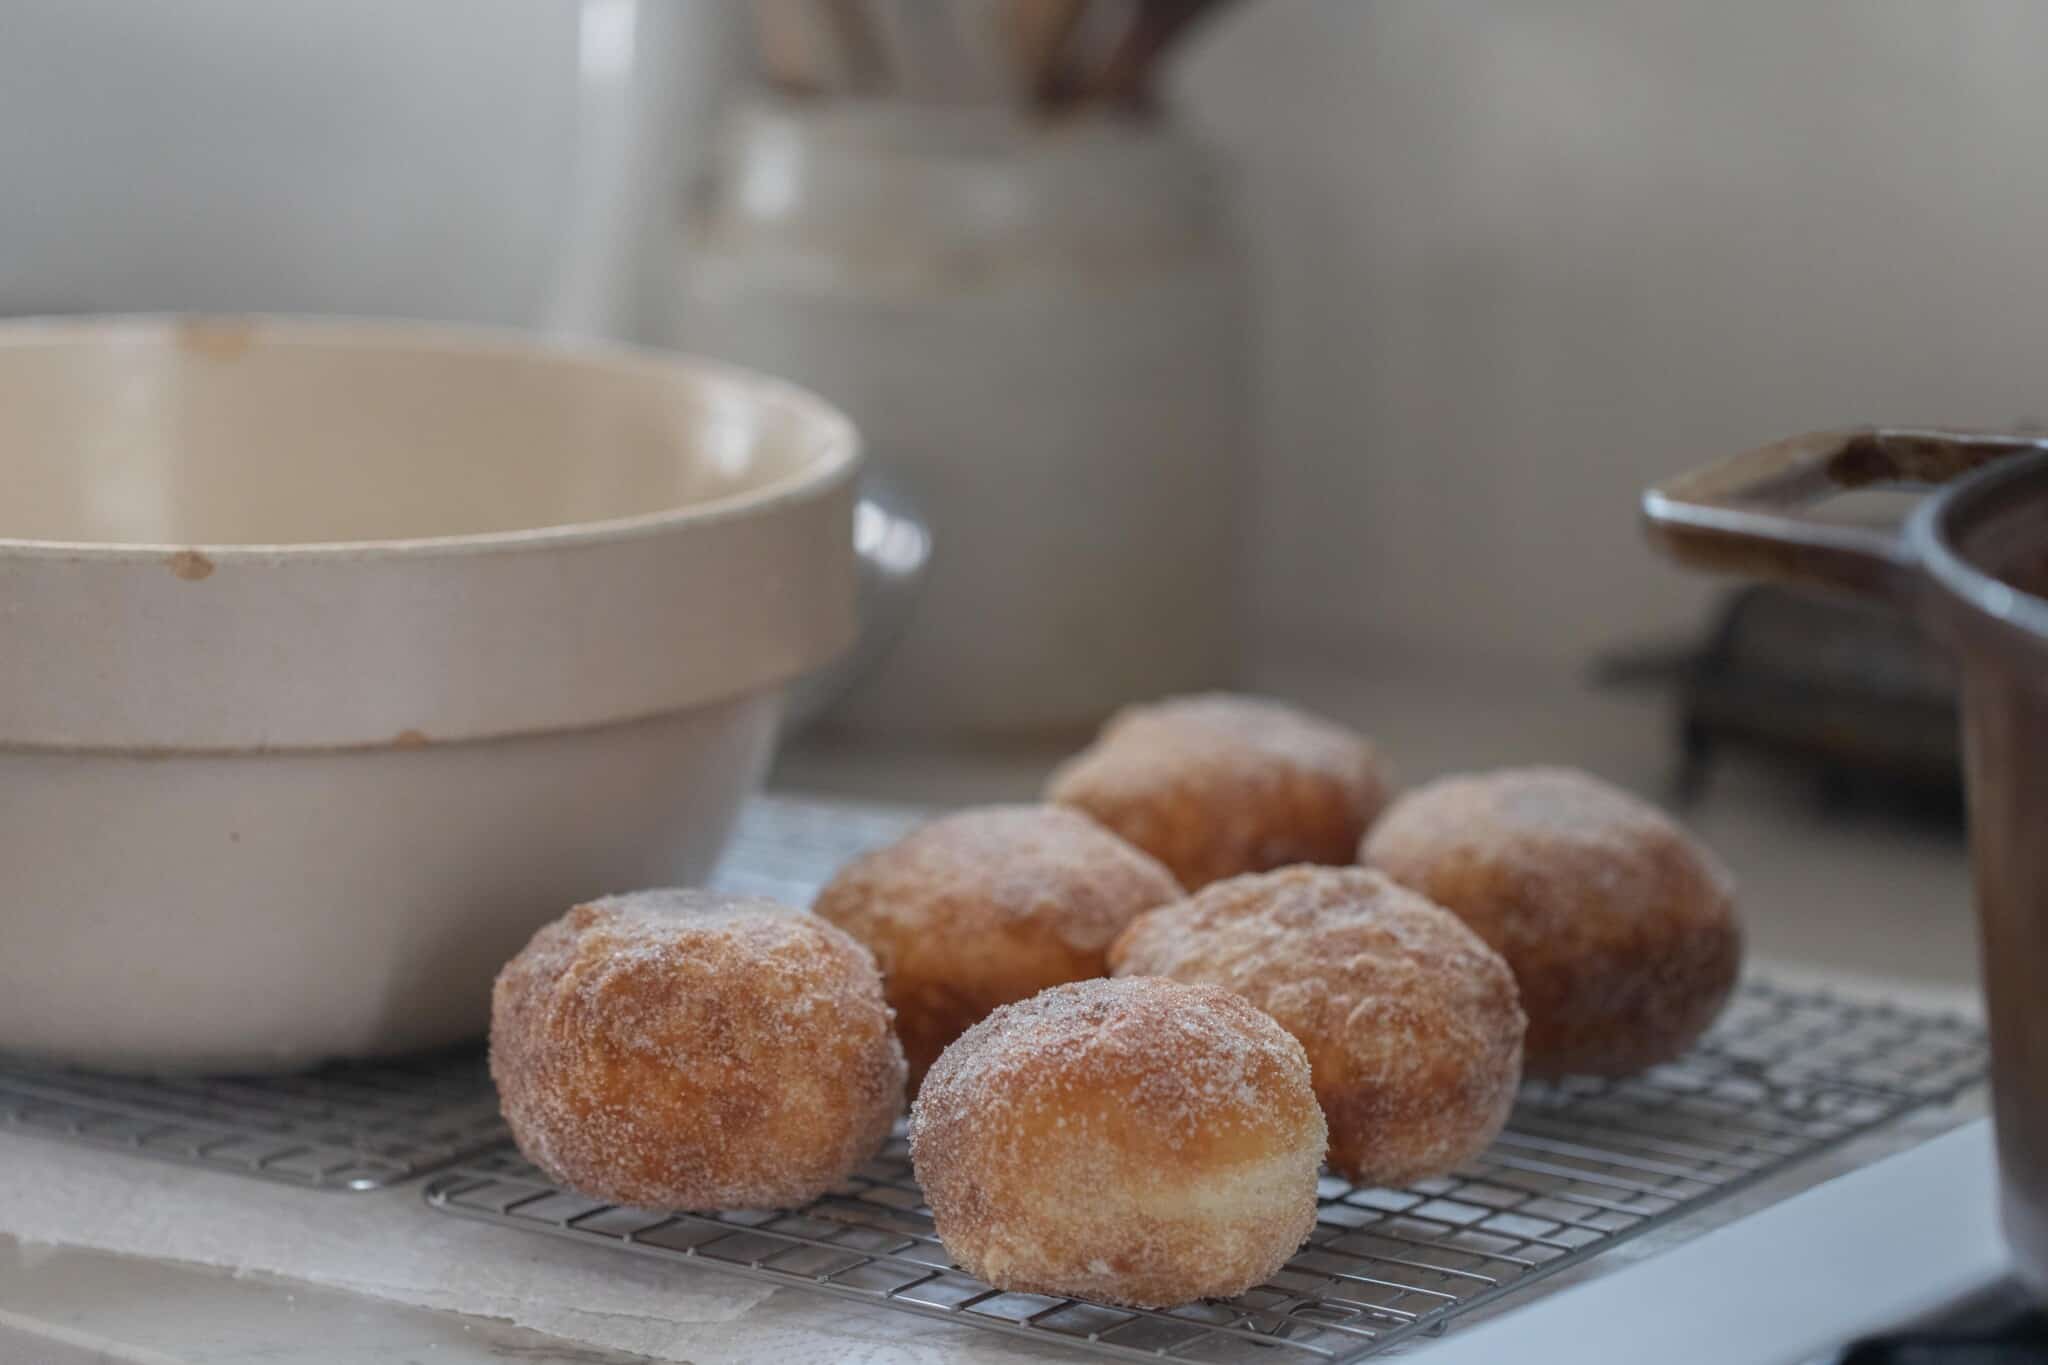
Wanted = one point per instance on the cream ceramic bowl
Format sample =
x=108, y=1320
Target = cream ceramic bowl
x=334, y=658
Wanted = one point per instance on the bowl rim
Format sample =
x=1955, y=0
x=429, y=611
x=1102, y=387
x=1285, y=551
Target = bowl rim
x=839, y=444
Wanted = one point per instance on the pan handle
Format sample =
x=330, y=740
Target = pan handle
x=1743, y=514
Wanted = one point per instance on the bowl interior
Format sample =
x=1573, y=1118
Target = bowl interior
x=235, y=432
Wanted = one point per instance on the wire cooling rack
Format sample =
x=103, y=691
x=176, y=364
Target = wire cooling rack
x=786, y=847
x=353, y=1126
x=1584, y=1165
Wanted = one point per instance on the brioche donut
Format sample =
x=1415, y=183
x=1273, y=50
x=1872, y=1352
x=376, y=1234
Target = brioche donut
x=1215, y=785
x=1620, y=928
x=691, y=1050
x=975, y=910
x=1138, y=1142
x=1411, y=1024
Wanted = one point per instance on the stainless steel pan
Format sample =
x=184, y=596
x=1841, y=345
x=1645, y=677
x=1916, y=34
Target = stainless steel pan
x=1971, y=564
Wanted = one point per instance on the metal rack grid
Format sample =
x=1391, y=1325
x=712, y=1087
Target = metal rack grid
x=1584, y=1165
x=349, y=1126
x=785, y=848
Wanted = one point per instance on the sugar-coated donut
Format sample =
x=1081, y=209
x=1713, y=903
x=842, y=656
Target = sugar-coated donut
x=1217, y=785
x=691, y=1050
x=1412, y=1025
x=980, y=908
x=1135, y=1141
x=1619, y=926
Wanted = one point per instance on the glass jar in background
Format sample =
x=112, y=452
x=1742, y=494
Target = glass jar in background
x=1039, y=329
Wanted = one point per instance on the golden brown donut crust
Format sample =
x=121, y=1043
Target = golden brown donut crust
x=1136, y=1141
x=986, y=906
x=1411, y=1024
x=1619, y=926
x=691, y=1050
x=1218, y=785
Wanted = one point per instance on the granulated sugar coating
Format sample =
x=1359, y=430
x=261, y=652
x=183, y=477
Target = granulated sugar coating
x=1620, y=927
x=1136, y=1141
x=1411, y=1023
x=977, y=909
x=1218, y=785
x=690, y=1050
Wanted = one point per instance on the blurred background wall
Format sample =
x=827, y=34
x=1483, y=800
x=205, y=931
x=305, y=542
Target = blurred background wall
x=1518, y=259
x=1514, y=258
x=477, y=160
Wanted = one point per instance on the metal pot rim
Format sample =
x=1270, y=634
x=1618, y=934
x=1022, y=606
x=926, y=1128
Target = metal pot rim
x=2014, y=616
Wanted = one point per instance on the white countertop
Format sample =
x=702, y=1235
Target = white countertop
x=1825, y=898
